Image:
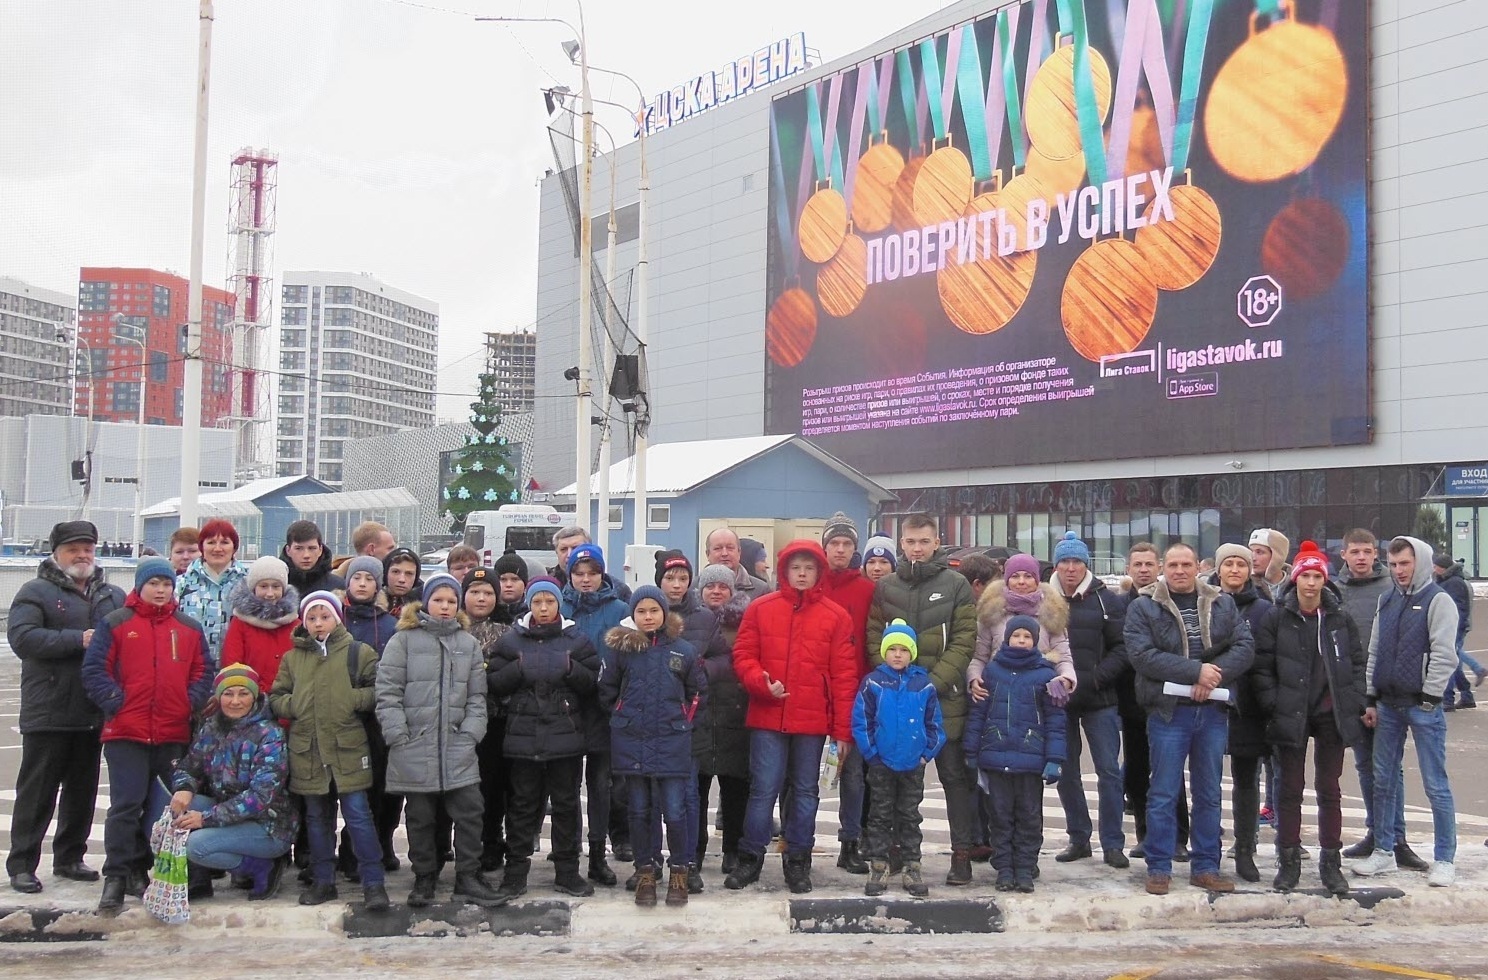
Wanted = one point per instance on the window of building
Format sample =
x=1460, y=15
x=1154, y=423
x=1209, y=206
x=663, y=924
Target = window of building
x=659, y=516
x=293, y=314
x=295, y=294
x=126, y=396
x=159, y=366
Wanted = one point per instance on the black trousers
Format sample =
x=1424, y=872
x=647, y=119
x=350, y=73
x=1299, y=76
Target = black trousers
x=1245, y=799
x=893, y=812
x=133, y=766
x=533, y=783
x=1137, y=774
x=52, y=762
x=1017, y=822
x=601, y=788
x=425, y=844
x=494, y=789
x=733, y=799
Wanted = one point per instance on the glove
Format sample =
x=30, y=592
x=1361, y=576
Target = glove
x=1058, y=693
x=1051, y=773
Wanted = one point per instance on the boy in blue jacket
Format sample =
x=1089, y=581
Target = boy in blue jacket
x=897, y=725
x=1014, y=736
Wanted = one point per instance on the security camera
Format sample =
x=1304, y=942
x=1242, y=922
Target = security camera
x=1236, y=464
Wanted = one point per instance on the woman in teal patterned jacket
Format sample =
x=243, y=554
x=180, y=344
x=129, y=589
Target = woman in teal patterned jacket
x=232, y=788
x=204, y=591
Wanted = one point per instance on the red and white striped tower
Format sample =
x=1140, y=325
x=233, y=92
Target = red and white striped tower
x=252, y=207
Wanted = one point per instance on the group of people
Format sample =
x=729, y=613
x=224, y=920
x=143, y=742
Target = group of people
x=255, y=700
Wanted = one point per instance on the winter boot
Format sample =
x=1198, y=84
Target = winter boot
x=645, y=893
x=1330, y=869
x=319, y=894
x=850, y=860
x=878, y=876
x=474, y=889
x=113, y=895
x=960, y=873
x=265, y=875
x=423, y=890
x=599, y=871
x=729, y=863
x=568, y=880
x=1288, y=869
x=198, y=882
x=797, y=868
x=375, y=898
x=514, y=878
x=1245, y=865
x=695, y=879
x=914, y=882
x=746, y=873
x=677, y=887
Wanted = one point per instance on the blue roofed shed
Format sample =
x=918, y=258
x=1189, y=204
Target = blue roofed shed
x=260, y=511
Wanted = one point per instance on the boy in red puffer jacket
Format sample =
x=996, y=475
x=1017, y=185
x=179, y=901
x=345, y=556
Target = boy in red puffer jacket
x=796, y=658
x=148, y=670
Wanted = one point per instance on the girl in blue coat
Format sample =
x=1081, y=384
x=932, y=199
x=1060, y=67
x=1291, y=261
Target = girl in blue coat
x=1014, y=736
x=652, y=684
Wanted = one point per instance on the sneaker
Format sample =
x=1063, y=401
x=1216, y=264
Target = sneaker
x=1378, y=862
x=1442, y=874
x=1158, y=884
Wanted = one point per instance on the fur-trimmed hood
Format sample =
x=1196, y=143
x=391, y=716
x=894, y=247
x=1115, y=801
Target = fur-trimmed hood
x=731, y=614
x=1053, y=611
x=626, y=638
x=255, y=611
x=410, y=619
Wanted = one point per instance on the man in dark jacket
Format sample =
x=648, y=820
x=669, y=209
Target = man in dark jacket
x=1096, y=617
x=847, y=587
x=936, y=602
x=1362, y=583
x=1412, y=653
x=1449, y=576
x=309, y=560
x=50, y=626
x=1191, y=635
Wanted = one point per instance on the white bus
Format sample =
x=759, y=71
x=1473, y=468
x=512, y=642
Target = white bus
x=526, y=529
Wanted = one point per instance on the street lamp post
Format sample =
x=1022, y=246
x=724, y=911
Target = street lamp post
x=191, y=390
x=78, y=340
x=584, y=455
x=139, y=448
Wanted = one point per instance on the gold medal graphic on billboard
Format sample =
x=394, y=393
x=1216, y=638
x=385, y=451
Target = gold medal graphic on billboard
x=790, y=327
x=981, y=297
x=823, y=225
x=1109, y=300
x=842, y=282
x=942, y=188
x=1306, y=247
x=1277, y=100
x=873, y=194
x=1053, y=123
x=1178, y=252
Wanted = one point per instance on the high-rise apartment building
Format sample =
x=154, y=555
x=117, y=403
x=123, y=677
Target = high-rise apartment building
x=35, y=345
x=512, y=358
x=118, y=309
x=357, y=358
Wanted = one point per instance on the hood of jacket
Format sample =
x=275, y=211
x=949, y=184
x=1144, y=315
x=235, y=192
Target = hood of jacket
x=1346, y=577
x=51, y=572
x=817, y=591
x=731, y=613
x=319, y=570
x=588, y=601
x=1020, y=658
x=1455, y=571
x=1053, y=609
x=414, y=617
x=922, y=571
x=626, y=638
x=260, y=612
x=1424, y=554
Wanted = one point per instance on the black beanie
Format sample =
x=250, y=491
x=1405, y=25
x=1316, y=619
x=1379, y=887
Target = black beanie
x=513, y=563
x=667, y=560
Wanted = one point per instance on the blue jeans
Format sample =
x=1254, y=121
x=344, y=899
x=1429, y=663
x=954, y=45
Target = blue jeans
x=1198, y=734
x=320, y=827
x=1459, y=686
x=850, y=797
x=1103, y=730
x=1364, y=766
x=1429, y=729
x=776, y=758
x=225, y=847
x=669, y=795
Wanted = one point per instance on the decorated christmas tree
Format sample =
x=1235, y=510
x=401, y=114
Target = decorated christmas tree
x=484, y=478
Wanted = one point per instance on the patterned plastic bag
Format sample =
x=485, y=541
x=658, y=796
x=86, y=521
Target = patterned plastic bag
x=165, y=899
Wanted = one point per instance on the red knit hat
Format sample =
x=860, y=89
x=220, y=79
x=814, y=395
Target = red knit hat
x=1309, y=559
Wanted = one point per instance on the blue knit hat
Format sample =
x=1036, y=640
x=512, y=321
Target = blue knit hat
x=586, y=552
x=152, y=568
x=1021, y=623
x=543, y=584
x=441, y=580
x=1070, y=546
x=880, y=546
x=649, y=592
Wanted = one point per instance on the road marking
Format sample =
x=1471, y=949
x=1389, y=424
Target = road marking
x=1136, y=974
x=1399, y=971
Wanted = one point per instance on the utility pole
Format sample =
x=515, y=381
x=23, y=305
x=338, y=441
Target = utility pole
x=191, y=395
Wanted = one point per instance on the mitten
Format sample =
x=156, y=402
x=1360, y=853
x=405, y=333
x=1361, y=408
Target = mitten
x=1058, y=693
x=1051, y=773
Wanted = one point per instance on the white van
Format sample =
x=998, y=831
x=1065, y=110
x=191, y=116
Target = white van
x=526, y=529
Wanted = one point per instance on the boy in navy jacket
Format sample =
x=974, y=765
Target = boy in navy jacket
x=897, y=726
x=1014, y=736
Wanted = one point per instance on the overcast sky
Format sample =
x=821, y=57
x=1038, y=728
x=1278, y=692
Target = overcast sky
x=410, y=138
